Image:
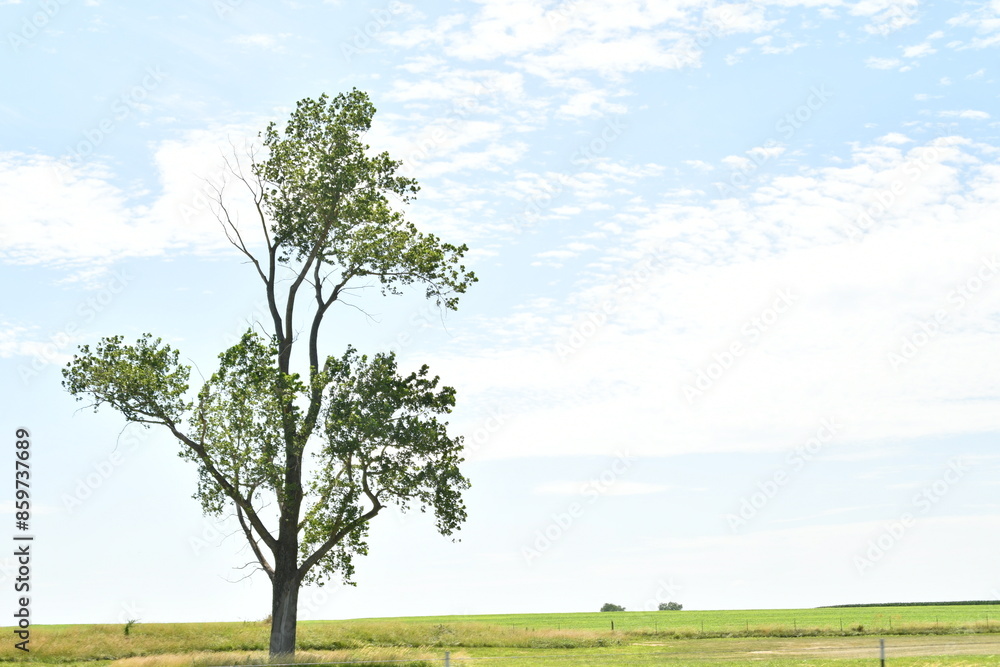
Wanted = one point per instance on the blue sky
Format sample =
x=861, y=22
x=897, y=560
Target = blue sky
x=734, y=342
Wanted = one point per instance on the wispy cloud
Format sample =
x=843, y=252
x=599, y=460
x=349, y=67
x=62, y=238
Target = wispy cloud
x=985, y=22
x=619, y=488
x=883, y=63
x=74, y=215
x=269, y=42
x=799, y=230
x=969, y=114
x=918, y=50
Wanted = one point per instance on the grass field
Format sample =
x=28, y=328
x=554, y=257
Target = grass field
x=847, y=620
x=944, y=635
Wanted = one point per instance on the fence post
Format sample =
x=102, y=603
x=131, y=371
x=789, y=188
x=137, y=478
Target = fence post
x=447, y=659
x=881, y=652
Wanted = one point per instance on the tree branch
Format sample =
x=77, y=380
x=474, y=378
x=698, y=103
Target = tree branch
x=324, y=549
x=228, y=224
x=228, y=488
x=253, y=544
x=338, y=535
x=316, y=395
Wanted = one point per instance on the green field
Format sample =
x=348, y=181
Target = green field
x=768, y=622
x=925, y=635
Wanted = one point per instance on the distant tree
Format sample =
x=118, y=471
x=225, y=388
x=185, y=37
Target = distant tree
x=612, y=607
x=670, y=606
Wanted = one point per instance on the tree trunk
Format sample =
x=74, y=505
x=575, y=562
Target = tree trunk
x=284, y=608
x=286, y=579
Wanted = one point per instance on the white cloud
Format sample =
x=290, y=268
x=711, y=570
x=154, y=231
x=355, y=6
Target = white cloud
x=62, y=214
x=261, y=41
x=700, y=165
x=607, y=37
x=766, y=44
x=918, y=50
x=894, y=138
x=724, y=264
x=557, y=257
x=737, y=55
x=593, y=103
x=616, y=488
x=10, y=339
x=985, y=21
x=467, y=90
x=73, y=215
x=735, y=18
x=737, y=162
x=886, y=16
x=554, y=255
x=969, y=114
x=883, y=63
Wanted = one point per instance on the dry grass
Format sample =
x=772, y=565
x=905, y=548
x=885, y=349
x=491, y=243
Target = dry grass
x=452, y=634
x=108, y=642
x=204, y=644
x=396, y=657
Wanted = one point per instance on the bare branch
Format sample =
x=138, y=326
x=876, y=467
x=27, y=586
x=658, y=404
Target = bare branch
x=225, y=219
x=248, y=575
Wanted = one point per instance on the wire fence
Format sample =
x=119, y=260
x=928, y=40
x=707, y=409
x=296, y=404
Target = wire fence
x=786, y=626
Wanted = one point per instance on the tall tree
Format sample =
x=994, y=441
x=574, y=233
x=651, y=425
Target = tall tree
x=327, y=224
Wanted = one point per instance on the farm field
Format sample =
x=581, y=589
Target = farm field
x=848, y=620
x=945, y=635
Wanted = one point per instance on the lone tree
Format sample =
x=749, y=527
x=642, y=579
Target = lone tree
x=609, y=606
x=373, y=435
x=670, y=606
